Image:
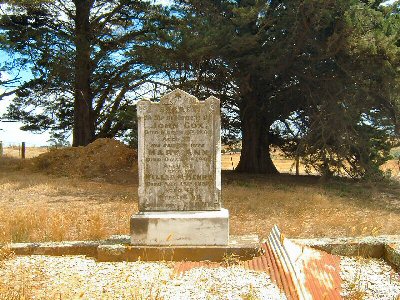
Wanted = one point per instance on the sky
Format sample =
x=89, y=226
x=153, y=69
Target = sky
x=10, y=133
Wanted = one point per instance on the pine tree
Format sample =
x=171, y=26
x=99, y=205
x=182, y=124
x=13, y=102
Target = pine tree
x=84, y=64
x=327, y=70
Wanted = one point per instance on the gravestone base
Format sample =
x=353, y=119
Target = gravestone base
x=188, y=228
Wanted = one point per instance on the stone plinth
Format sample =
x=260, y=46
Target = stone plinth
x=180, y=228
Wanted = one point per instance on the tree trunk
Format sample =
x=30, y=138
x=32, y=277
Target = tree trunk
x=83, y=131
x=255, y=156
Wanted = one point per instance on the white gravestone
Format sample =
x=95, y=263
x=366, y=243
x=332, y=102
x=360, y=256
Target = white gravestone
x=179, y=173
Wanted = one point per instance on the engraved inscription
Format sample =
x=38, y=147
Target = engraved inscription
x=179, y=148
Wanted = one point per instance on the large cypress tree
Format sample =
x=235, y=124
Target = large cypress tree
x=327, y=70
x=81, y=56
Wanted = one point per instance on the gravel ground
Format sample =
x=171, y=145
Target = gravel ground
x=77, y=277
x=369, y=279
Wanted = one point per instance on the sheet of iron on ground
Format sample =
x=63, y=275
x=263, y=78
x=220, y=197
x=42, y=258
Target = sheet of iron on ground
x=303, y=272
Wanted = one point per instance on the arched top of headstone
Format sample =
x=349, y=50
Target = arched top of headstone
x=178, y=98
x=213, y=102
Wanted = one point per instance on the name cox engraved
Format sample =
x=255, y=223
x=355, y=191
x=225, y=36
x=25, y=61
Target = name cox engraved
x=179, y=146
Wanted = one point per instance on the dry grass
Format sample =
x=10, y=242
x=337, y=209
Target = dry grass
x=392, y=167
x=305, y=206
x=284, y=165
x=229, y=160
x=39, y=207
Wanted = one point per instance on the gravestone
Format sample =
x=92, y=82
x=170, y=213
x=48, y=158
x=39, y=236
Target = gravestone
x=179, y=157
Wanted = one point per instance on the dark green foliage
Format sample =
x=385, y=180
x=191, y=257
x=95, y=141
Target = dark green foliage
x=320, y=79
x=41, y=39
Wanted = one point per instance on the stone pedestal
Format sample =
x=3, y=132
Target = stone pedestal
x=201, y=228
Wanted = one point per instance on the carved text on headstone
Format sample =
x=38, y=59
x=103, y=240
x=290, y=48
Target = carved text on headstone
x=179, y=153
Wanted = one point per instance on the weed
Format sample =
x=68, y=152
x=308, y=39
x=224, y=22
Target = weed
x=230, y=259
x=20, y=228
x=7, y=293
x=147, y=291
x=356, y=295
x=17, y=288
x=251, y=295
x=95, y=227
x=5, y=254
x=355, y=289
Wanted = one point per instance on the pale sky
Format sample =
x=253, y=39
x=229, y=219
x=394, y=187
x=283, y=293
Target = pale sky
x=10, y=134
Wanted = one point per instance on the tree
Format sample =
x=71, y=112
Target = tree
x=85, y=69
x=320, y=79
x=84, y=127
x=308, y=61
x=351, y=127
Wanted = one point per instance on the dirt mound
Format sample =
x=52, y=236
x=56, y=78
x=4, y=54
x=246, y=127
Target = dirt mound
x=104, y=158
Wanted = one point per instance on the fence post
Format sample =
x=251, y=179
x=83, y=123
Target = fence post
x=1, y=148
x=23, y=150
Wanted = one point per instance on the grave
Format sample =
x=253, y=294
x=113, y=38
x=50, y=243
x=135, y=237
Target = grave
x=179, y=157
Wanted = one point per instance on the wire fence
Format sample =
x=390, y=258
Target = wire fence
x=21, y=150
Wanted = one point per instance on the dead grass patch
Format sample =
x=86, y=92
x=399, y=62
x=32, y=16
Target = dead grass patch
x=305, y=206
x=39, y=207
x=99, y=195
x=104, y=159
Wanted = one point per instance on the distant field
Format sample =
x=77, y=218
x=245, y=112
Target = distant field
x=284, y=165
x=29, y=151
x=229, y=160
x=395, y=152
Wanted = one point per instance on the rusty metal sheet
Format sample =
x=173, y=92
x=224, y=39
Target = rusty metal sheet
x=301, y=272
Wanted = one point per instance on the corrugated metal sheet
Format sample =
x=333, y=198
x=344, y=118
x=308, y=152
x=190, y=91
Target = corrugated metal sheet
x=300, y=271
